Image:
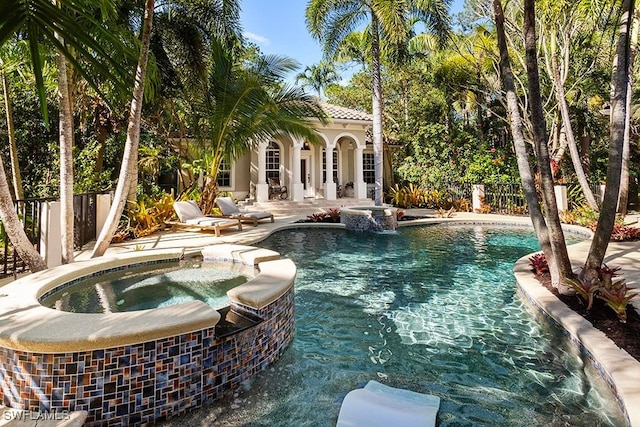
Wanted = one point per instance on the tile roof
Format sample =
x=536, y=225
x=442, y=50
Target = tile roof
x=337, y=112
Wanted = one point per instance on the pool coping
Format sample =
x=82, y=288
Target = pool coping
x=27, y=325
x=618, y=369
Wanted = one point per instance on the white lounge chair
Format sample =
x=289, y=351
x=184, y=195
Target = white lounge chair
x=230, y=210
x=191, y=217
x=378, y=405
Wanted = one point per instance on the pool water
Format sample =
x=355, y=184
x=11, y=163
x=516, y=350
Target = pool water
x=431, y=309
x=150, y=287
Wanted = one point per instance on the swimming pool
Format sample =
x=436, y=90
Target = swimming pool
x=431, y=309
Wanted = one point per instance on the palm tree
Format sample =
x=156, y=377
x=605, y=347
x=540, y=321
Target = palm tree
x=318, y=77
x=10, y=60
x=515, y=120
x=129, y=156
x=623, y=199
x=243, y=106
x=330, y=21
x=556, y=235
x=561, y=23
x=179, y=45
x=619, y=79
x=41, y=20
x=355, y=47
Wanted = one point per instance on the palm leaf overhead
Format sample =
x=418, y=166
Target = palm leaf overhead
x=243, y=106
x=331, y=22
x=84, y=37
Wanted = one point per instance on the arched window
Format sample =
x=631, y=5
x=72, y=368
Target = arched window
x=273, y=162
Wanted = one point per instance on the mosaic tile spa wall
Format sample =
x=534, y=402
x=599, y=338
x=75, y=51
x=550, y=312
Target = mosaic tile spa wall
x=141, y=383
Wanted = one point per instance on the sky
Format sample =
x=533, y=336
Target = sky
x=278, y=27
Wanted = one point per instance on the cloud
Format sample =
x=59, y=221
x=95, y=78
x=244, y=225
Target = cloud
x=257, y=38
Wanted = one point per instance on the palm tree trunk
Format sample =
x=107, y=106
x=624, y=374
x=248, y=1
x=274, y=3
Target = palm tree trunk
x=377, y=108
x=619, y=79
x=66, y=160
x=133, y=139
x=526, y=177
x=571, y=141
x=623, y=198
x=18, y=190
x=556, y=234
x=15, y=229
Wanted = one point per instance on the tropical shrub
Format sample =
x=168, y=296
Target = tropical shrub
x=585, y=288
x=625, y=233
x=539, y=264
x=615, y=294
x=146, y=217
x=318, y=217
x=334, y=214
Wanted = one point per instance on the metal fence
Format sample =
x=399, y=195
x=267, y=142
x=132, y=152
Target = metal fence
x=510, y=199
x=30, y=213
x=505, y=198
x=459, y=190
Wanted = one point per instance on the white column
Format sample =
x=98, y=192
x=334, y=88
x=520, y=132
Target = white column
x=329, y=185
x=297, y=190
x=262, y=188
x=359, y=186
x=561, y=197
x=51, y=234
x=477, y=196
x=103, y=205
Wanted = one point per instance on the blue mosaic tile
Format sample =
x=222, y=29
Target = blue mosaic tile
x=142, y=383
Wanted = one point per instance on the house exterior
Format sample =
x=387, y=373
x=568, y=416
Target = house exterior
x=302, y=167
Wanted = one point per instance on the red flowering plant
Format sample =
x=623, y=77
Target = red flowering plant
x=539, y=264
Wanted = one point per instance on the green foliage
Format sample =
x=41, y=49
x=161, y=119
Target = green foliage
x=147, y=216
x=412, y=196
x=583, y=215
x=356, y=95
x=37, y=145
x=430, y=159
x=85, y=177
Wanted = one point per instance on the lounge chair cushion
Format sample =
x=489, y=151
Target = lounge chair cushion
x=204, y=220
x=380, y=405
x=254, y=214
x=187, y=210
x=229, y=208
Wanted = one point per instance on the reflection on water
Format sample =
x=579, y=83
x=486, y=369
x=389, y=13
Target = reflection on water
x=431, y=309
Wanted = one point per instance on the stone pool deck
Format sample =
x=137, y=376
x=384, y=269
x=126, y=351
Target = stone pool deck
x=621, y=369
